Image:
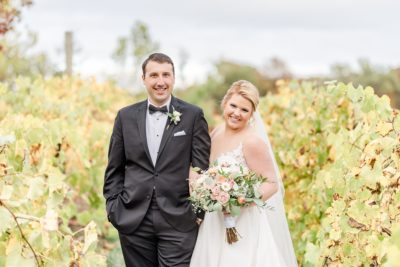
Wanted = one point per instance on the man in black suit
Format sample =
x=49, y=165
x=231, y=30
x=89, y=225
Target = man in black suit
x=152, y=148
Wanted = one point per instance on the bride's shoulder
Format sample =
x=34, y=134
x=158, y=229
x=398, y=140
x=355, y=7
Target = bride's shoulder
x=216, y=130
x=253, y=142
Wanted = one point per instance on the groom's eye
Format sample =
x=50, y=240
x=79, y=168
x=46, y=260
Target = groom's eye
x=233, y=105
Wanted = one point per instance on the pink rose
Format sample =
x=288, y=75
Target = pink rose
x=223, y=198
x=215, y=191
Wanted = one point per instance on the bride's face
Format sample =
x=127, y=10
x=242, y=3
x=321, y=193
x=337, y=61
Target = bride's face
x=237, y=112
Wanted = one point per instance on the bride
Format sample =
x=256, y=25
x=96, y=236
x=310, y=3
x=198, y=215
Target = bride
x=264, y=235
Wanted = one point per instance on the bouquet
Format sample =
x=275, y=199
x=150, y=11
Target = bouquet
x=227, y=187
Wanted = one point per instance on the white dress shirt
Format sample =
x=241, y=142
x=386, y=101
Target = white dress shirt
x=155, y=126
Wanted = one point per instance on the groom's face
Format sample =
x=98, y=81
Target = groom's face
x=159, y=80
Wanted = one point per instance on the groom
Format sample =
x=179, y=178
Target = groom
x=153, y=145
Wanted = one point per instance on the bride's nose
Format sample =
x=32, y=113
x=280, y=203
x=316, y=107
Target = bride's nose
x=236, y=112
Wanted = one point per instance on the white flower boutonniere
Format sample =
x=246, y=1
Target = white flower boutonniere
x=175, y=116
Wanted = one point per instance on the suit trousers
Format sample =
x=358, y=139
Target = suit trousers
x=155, y=243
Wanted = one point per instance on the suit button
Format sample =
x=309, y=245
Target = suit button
x=156, y=174
x=148, y=196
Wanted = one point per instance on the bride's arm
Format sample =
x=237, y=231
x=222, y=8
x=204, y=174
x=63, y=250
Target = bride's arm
x=192, y=177
x=259, y=161
x=192, y=174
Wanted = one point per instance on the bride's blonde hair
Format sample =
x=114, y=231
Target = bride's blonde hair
x=244, y=88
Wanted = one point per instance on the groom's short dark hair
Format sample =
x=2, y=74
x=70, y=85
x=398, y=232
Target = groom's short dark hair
x=159, y=58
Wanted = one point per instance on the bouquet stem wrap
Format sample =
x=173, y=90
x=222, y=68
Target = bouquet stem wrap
x=232, y=234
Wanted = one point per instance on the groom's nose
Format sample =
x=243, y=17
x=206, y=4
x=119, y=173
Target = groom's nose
x=160, y=81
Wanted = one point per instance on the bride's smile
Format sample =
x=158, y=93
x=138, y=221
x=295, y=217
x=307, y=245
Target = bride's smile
x=237, y=112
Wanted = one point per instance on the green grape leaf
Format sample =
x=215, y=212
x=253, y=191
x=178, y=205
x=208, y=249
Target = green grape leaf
x=355, y=94
x=90, y=237
x=312, y=254
x=6, y=221
x=37, y=187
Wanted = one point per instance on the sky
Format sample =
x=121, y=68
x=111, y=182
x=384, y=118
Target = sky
x=309, y=35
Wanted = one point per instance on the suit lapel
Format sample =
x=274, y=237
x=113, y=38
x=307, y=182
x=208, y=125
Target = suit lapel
x=168, y=129
x=141, y=121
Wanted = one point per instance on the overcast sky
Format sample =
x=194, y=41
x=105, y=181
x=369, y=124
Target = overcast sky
x=309, y=35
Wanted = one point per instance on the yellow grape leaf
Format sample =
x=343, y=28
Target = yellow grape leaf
x=384, y=181
x=6, y=220
x=369, y=91
x=396, y=122
x=383, y=128
x=50, y=220
x=355, y=94
x=312, y=254
x=389, y=171
x=46, y=239
x=393, y=256
x=373, y=246
x=14, y=257
x=2, y=254
x=355, y=171
x=90, y=236
x=56, y=180
x=7, y=139
x=6, y=192
x=339, y=206
x=326, y=177
x=20, y=147
x=92, y=259
x=335, y=234
x=332, y=153
x=37, y=187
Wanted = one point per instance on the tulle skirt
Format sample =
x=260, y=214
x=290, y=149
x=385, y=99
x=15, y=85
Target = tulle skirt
x=255, y=248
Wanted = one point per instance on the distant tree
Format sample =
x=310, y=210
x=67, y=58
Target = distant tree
x=209, y=94
x=229, y=72
x=134, y=48
x=120, y=54
x=129, y=54
x=183, y=60
x=383, y=79
x=142, y=42
x=10, y=12
x=276, y=68
x=17, y=58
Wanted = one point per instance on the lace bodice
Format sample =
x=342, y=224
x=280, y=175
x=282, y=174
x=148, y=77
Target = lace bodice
x=234, y=156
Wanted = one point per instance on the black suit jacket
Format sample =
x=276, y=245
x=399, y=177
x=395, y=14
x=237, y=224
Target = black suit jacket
x=130, y=175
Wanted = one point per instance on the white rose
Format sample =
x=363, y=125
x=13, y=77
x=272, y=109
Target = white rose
x=225, y=186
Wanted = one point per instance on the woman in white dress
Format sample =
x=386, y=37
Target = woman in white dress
x=264, y=235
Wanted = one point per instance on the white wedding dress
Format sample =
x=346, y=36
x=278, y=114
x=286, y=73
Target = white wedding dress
x=256, y=246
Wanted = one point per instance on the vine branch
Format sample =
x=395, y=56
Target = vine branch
x=20, y=230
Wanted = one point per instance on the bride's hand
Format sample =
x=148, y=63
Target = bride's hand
x=192, y=177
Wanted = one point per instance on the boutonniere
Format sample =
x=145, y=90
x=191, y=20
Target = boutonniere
x=175, y=117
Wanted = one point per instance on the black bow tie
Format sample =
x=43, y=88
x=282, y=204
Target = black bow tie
x=153, y=109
